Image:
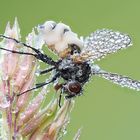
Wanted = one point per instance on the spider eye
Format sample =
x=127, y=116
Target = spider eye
x=74, y=49
x=41, y=26
x=65, y=30
x=53, y=25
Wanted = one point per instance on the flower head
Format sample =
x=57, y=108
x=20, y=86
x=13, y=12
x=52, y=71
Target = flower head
x=25, y=116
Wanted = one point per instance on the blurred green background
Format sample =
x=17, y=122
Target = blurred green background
x=105, y=111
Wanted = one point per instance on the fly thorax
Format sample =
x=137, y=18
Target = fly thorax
x=70, y=70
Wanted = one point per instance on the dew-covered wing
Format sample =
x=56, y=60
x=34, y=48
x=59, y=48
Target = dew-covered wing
x=103, y=42
x=121, y=80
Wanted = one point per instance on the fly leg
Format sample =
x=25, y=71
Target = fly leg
x=57, y=87
x=60, y=97
x=70, y=96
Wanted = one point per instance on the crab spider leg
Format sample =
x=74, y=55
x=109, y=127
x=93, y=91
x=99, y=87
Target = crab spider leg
x=18, y=52
x=46, y=71
x=70, y=96
x=40, y=85
x=18, y=42
x=38, y=55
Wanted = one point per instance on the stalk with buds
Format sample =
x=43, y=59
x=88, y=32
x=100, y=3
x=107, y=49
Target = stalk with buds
x=25, y=117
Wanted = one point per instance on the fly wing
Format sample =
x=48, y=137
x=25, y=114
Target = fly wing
x=121, y=80
x=103, y=42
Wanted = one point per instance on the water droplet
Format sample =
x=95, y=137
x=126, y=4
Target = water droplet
x=15, y=110
x=42, y=51
x=4, y=103
x=1, y=60
x=35, y=105
x=23, y=67
x=22, y=116
x=23, y=76
x=49, y=112
x=35, y=89
x=6, y=90
x=38, y=67
x=37, y=73
x=12, y=82
x=3, y=52
x=5, y=77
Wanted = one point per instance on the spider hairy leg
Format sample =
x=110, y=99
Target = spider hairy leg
x=46, y=71
x=38, y=55
x=12, y=51
x=40, y=84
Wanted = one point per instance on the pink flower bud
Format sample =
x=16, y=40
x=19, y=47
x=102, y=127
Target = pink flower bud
x=25, y=116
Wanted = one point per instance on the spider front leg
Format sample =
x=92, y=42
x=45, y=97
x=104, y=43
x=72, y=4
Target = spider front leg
x=47, y=70
x=38, y=55
x=39, y=85
x=12, y=51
